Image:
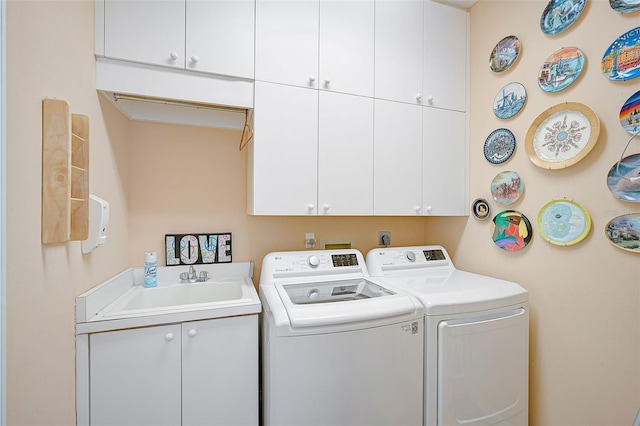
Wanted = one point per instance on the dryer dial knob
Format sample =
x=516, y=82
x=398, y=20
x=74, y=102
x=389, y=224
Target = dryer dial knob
x=411, y=256
x=313, y=261
x=313, y=294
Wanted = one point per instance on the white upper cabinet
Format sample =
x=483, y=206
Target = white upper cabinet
x=445, y=56
x=346, y=62
x=326, y=44
x=208, y=36
x=287, y=42
x=399, y=50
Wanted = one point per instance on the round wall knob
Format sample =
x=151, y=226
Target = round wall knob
x=168, y=337
x=194, y=59
x=173, y=55
x=192, y=333
x=313, y=261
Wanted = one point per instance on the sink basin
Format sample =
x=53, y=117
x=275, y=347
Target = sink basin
x=184, y=294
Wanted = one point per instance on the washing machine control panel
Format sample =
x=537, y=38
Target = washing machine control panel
x=388, y=259
x=316, y=262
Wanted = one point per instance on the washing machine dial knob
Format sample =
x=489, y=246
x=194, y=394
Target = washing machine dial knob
x=411, y=256
x=313, y=261
x=313, y=294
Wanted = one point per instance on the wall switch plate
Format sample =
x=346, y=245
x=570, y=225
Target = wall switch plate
x=384, y=238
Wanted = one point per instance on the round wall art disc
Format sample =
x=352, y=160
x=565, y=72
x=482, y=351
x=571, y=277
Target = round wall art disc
x=499, y=146
x=630, y=113
x=481, y=209
x=624, y=232
x=561, y=69
x=625, y=6
x=504, y=54
x=619, y=179
x=621, y=61
x=562, y=135
x=507, y=187
x=509, y=100
x=563, y=222
x=560, y=15
x=511, y=230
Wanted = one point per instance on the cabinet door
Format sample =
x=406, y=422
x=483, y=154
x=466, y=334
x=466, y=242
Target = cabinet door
x=219, y=36
x=135, y=377
x=150, y=31
x=287, y=42
x=220, y=372
x=397, y=163
x=345, y=155
x=346, y=46
x=445, y=56
x=398, y=50
x=446, y=180
x=283, y=155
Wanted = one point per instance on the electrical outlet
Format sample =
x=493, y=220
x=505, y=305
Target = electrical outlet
x=309, y=240
x=384, y=238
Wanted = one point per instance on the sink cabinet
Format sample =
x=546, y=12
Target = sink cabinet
x=191, y=373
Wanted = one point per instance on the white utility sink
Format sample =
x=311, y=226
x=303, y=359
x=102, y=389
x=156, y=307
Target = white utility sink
x=123, y=301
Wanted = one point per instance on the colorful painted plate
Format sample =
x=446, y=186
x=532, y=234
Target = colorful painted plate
x=499, y=146
x=562, y=135
x=509, y=100
x=511, y=230
x=560, y=15
x=630, y=113
x=507, y=187
x=624, y=232
x=481, y=209
x=619, y=179
x=504, y=54
x=625, y=6
x=563, y=222
x=561, y=69
x=618, y=66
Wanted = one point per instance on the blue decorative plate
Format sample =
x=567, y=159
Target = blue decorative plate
x=625, y=6
x=509, y=100
x=622, y=179
x=481, y=209
x=504, y=54
x=563, y=222
x=630, y=113
x=560, y=15
x=617, y=66
x=499, y=146
x=561, y=69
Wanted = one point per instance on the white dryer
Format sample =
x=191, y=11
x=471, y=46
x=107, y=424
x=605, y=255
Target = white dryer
x=338, y=348
x=477, y=337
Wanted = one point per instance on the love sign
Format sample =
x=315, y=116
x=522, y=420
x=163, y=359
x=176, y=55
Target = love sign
x=193, y=249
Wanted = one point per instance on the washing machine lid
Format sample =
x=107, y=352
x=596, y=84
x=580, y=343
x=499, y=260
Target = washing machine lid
x=334, y=302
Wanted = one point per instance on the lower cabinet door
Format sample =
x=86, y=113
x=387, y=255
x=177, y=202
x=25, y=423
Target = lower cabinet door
x=135, y=377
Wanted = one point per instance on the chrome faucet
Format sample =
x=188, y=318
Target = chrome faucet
x=192, y=276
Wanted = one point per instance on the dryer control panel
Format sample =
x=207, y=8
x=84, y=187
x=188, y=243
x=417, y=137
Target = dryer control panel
x=407, y=258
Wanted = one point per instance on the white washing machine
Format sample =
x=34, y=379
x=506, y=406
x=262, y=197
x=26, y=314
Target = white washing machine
x=338, y=348
x=476, y=350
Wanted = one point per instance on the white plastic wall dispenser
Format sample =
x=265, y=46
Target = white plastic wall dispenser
x=98, y=223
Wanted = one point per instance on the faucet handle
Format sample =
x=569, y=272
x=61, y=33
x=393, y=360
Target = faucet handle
x=204, y=275
x=184, y=276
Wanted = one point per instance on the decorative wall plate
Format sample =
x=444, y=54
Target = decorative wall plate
x=618, y=179
x=481, y=209
x=509, y=100
x=624, y=232
x=625, y=6
x=504, y=54
x=562, y=135
x=507, y=187
x=560, y=15
x=499, y=146
x=621, y=61
x=511, y=230
x=561, y=69
x=630, y=113
x=563, y=222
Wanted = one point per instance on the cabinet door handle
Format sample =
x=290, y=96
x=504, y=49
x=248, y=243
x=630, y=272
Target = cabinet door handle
x=310, y=207
x=192, y=333
x=327, y=81
x=173, y=56
x=312, y=78
x=428, y=209
x=418, y=97
x=430, y=99
x=195, y=59
x=326, y=208
x=417, y=209
x=168, y=337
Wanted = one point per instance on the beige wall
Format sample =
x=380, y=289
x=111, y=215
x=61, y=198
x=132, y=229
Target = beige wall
x=585, y=336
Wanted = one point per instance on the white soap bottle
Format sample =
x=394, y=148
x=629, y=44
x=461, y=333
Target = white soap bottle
x=150, y=269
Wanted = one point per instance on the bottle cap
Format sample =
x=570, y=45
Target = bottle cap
x=151, y=256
